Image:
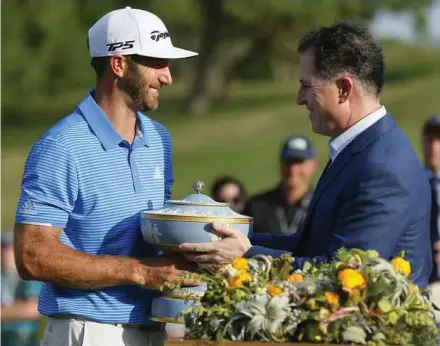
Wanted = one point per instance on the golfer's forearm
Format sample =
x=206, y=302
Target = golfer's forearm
x=64, y=266
x=21, y=311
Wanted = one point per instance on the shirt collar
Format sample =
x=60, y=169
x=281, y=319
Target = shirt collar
x=336, y=145
x=141, y=130
x=102, y=126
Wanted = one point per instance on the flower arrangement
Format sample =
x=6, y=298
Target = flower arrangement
x=359, y=298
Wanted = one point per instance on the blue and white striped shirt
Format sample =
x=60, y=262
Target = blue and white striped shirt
x=83, y=177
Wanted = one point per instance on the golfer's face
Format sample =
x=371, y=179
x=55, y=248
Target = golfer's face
x=143, y=81
x=156, y=73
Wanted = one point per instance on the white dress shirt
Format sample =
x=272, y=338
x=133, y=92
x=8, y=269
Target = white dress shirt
x=336, y=145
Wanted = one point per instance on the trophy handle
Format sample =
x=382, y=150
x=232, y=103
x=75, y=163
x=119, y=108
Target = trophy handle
x=198, y=186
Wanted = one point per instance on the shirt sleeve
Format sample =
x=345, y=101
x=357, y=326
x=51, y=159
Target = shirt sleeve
x=49, y=186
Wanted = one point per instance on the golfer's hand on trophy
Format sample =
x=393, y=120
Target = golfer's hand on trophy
x=232, y=244
x=170, y=269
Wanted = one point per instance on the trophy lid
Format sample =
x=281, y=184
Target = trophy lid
x=198, y=198
x=197, y=204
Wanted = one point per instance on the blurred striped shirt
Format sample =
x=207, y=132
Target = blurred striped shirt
x=83, y=177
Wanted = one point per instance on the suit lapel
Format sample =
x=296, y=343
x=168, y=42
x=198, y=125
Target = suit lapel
x=327, y=176
x=358, y=144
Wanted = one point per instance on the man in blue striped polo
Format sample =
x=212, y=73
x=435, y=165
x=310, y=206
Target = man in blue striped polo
x=85, y=182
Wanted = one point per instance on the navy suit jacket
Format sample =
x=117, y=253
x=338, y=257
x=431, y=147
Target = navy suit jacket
x=375, y=195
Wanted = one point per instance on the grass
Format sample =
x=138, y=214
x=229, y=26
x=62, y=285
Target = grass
x=242, y=136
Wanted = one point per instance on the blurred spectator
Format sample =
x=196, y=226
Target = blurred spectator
x=19, y=298
x=230, y=190
x=431, y=156
x=282, y=209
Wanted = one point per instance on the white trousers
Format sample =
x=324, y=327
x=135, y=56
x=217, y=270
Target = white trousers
x=73, y=332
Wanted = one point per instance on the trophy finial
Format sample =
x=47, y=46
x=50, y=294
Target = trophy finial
x=198, y=186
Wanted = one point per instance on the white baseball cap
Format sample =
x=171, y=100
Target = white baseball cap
x=130, y=31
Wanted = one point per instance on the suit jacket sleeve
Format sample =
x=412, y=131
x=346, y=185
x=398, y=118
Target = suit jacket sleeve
x=272, y=244
x=375, y=211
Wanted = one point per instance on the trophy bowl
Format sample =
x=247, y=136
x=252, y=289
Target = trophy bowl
x=169, y=310
x=188, y=220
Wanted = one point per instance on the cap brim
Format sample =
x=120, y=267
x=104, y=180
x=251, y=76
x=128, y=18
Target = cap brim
x=171, y=53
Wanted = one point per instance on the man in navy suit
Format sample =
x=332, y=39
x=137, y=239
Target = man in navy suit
x=431, y=156
x=373, y=193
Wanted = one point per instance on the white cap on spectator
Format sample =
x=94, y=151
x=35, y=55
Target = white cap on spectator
x=131, y=31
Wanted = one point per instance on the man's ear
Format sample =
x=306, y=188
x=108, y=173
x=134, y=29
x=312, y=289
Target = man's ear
x=345, y=84
x=118, y=65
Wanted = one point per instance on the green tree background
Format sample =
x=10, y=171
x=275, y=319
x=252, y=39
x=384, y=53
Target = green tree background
x=229, y=108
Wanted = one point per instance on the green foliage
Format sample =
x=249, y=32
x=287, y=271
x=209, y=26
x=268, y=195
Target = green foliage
x=355, y=334
x=278, y=306
x=46, y=63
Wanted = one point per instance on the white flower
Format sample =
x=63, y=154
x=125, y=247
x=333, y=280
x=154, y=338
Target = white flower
x=263, y=315
x=260, y=262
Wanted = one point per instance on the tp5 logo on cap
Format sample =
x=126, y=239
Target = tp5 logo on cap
x=124, y=45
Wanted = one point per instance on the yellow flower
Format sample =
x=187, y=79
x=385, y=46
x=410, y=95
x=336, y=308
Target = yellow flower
x=240, y=263
x=402, y=266
x=239, y=279
x=333, y=299
x=351, y=279
x=274, y=290
x=295, y=277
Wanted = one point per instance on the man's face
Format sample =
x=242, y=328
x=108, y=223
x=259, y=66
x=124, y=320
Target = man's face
x=143, y=80
x=431, y=150
x=320, y=97
x=297, y=174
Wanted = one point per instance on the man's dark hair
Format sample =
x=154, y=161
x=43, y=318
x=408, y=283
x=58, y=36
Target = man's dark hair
x=100, y=64
x=220, y=182
x=346, y=48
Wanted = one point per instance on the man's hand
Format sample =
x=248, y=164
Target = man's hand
x=234, y=244
x=169, y=269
